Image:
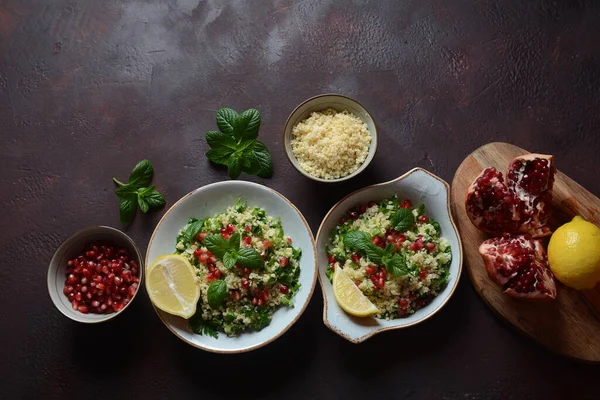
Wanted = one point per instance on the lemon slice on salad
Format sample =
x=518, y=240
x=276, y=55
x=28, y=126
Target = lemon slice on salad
x=172, y=286
x=350, y=297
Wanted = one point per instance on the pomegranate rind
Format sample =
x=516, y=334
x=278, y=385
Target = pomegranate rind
x=497, y=255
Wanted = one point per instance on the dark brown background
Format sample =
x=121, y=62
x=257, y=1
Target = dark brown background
x=88, y=88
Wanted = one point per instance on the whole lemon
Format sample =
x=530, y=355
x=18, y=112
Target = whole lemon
x=574, y=254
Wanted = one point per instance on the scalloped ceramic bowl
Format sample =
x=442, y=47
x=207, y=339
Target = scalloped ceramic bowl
x=213, y=199
x=420, y=186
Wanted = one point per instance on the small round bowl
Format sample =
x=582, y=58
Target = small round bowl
x=72, y=247
x=213, y=199
x=320, y=103
x=420, y=186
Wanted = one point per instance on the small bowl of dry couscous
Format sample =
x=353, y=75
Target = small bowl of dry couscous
x=330, y=138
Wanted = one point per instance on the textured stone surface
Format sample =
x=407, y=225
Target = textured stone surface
x=88, y=88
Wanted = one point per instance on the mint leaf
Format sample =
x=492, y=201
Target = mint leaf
x=421, y=209
x=250, y=258
x=397, y=266
x=216, y=293
x=125, y=190
x=359, y=240
x=155, y=200
x=234, y=241
x=262, y=158
x=402, y=220
x=227, y=120
x=143, y=205
x=220, y=155
x=234, y=166
x=356, y=239
x=217, y=139
x=142, y=174
x=229, y=259
x=127, y=207
x=217, y=245
x=247, y=125
x=193, y=228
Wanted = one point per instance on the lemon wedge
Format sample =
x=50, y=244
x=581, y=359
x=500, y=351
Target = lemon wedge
x=172, y=286
x=350, y=297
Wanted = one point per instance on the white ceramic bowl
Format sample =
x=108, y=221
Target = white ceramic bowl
x=420, y=186
x=338, y=103
x=72, y=247
x=213, y=199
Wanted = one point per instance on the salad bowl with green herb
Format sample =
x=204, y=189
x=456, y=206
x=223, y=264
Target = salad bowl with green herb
x=398, y=243
x=255, y=262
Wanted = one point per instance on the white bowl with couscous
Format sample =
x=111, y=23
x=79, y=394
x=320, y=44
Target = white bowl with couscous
x=260, y=304
x=330, y=138
x=426, y=244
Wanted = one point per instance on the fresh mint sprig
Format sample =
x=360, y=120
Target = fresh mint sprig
x=394, y=263
x=230, y=253
x=138, y=192
x=236, y=146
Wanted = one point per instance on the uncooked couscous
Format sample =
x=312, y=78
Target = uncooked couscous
x=330, y=144
x=245, y=265
x=394, y=254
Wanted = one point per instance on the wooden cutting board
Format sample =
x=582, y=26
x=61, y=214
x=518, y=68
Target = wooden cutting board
x=569, y=325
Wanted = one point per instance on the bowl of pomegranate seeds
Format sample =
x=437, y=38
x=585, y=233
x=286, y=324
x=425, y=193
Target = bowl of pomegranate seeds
x=95, y=274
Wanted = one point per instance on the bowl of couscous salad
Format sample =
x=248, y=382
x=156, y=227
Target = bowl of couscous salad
x=253, y=262
x=398, y=248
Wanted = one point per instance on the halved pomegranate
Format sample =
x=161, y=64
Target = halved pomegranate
x=519, y=265
x=522, y=205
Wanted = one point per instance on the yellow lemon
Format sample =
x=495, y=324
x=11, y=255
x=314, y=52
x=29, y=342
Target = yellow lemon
x=574, y=254
x=350, y=297
x=172, y=286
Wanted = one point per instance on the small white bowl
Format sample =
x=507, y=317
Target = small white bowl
x=210, y=200
x=72, y=247
x=420, y=186
x=320, y=103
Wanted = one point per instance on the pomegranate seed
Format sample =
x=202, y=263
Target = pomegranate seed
x=100, y=286
x=68, y=289
x=353, y=214
x=88, y=296
x=423, y=274
x=265, y=295
x=371, y=270
x=267, y=244
x=401, y=238
x=331, y=259
x=230, y=228
x=91, y=254
x=217, y=274
x=132, y=289
x=284, y=289
x=201, y=236
x=381, y=283
x=198, y=253
x=118, y=306
x=118, y=281
x=356, y=258
x=235, y=295
x=430, y=247
x=225, y=235
x=72, y=278
x=289, y=240
x=390, y=238
x=247, y=240
x=212, y=259
x=406, y=204
x=247, y=228
x=203, y=258
x=247, y=271
x=245, y=283
x=283, y=261
x=423, y=219
x=210, y=277
x=401, y=311
x=377, y=241
x=343, y=220
x=362, y=209
x=84, y=289
x=260, y=302
x=75, y=304
x=71, y=296
x=83, y=309
x=263, y=254
x=403, y=303
x=254, y=300
x=78, y=296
